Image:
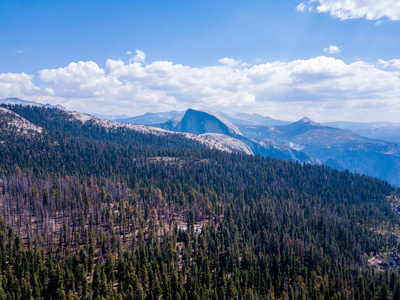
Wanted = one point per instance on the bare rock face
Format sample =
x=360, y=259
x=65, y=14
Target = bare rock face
x=199, y=122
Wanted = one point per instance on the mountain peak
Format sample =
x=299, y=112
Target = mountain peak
x=306, y=119
x=200, y=121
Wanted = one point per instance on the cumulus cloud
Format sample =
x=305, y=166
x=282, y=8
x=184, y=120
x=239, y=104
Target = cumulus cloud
x=355, y=9
x=321, y=87
x=332, y=49
x=17, y=85
x=140, y=56
x=230, y=62
x=81, y=79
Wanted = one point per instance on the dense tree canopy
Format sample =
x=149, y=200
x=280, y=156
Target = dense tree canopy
x=99, y=213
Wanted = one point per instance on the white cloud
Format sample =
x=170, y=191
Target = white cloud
x=321, y=87
x=301, y=7
x=82, y=79
x=230, y=62
x=140, y=56
x=17, y=85
x=332, y=49
x=128, y=52
x=394, y=63
x=356, y=9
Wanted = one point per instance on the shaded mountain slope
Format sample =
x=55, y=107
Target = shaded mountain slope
x=339, y=148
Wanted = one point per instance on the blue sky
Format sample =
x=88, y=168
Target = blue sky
x=284, y=59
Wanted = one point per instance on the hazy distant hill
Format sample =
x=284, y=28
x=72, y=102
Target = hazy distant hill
x=339, y=148
x=375, y=130
x=162, y=117
x=111, y=117
x=17, y=101
x=151, y=118
x=251, y=119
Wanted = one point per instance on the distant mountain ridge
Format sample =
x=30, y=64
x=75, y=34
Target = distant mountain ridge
x=151, y=118
x=162, y=117
x=111, y=117
x=210, y=124
x=375, y=130
x=251, y=119
x=17, y=101
x=335, y=147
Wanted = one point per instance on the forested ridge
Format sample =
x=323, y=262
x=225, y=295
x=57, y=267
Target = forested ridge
x=99, y=213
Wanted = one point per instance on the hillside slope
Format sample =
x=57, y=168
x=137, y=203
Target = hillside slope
x=13, y=124
x=93, y=211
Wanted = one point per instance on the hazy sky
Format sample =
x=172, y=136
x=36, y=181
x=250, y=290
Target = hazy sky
x=329, y=60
